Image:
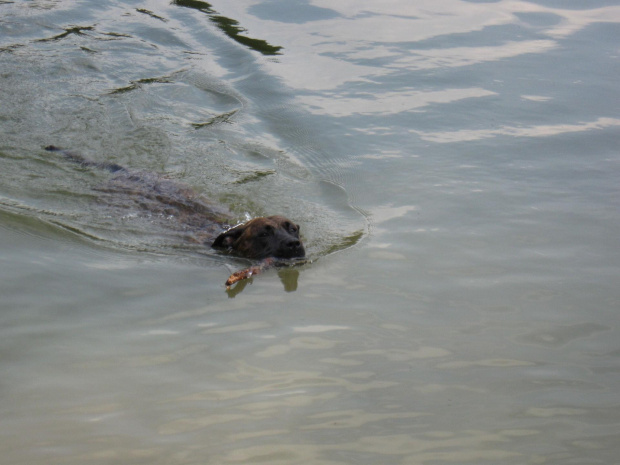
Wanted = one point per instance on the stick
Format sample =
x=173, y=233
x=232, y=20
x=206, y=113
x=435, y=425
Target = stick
x=249, y=272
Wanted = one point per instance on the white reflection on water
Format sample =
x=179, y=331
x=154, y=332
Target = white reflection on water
x=467, y=56
x=575, y=20
x=387, y=103
x=536, y=98
x=370, y=30
x=317, y=343
x=464, y=135
x=389, y=212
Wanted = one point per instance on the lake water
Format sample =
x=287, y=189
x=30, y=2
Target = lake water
x=454, y=166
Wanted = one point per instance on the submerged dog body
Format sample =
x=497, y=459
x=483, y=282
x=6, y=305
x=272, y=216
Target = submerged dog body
x=258, y=239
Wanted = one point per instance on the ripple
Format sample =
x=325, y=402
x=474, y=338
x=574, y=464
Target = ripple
x=561, y=335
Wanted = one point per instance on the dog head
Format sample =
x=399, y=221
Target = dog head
x=272, y=236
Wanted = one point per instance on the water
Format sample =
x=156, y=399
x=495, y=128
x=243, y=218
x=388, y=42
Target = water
x=453, y=166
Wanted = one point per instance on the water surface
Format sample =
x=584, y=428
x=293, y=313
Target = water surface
x=453, y=166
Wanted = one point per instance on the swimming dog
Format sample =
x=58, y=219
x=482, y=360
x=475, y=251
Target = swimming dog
x=270, y=239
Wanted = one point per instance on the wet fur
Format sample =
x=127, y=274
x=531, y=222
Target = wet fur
x=260, y=238
x=272, y=236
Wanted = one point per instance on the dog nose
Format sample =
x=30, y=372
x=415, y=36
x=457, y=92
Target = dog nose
x=293, y=244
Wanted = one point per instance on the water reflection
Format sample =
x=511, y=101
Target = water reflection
x=291, y=11
x=77, y=30
x=151, y=14
x=366, y=42
x=465, y=330
x=561, y=335
x=289, y=277
x=467, y=135
x=383, y=104
x=268, y=393
x=433, y=447
x=231, y=27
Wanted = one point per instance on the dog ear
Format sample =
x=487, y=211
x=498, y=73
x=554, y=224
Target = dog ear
x=228, y=238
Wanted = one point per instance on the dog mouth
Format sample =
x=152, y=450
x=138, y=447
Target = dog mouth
x=293, y=249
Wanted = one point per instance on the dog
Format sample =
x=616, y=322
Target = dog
x=263, y=237
x=274, y=238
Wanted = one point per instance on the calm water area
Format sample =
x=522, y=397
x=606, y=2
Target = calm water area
x=455, y=169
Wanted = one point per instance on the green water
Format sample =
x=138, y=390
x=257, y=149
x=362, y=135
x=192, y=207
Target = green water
x=454, y=169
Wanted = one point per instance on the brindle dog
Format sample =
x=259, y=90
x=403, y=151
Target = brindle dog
x=271, y=239
x=272, y=236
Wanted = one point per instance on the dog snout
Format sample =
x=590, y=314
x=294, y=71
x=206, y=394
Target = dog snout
x=294, y=248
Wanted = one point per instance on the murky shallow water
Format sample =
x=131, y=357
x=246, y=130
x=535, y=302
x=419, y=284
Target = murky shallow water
x=454, y=168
